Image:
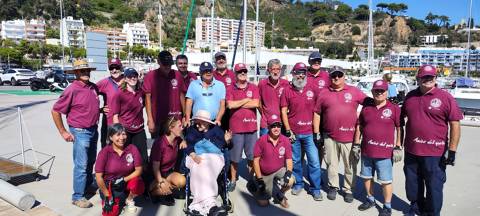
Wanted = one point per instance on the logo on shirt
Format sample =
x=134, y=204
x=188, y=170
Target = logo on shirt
x=281, y=152
x=174, y=83
x=129, y=159
x=386, y=113
x=280, y=91
x=309, y=95
x=274, y=117
x=435, y=103
x=348, y=97
x=228, y=80
x=321, y=83
x=140, y=100
x=249, y=94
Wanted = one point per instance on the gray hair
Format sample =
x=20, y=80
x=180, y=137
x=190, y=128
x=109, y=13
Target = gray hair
x=273, y=62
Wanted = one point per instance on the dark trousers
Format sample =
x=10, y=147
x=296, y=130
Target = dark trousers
x=104, y=131
x=425, y=173
x=140, y=141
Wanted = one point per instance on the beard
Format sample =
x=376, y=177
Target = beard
x=299, y=84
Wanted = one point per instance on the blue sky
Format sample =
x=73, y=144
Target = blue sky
x=455, y=9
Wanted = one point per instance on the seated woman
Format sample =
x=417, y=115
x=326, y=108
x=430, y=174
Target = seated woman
x=163, y=156
x=117, y=171
x=205, y=161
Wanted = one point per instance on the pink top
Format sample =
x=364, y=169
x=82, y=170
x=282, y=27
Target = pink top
x=272, y=157
x=115, y=166
x=165, y=94
x=322, y=80
x=426, y=131
x=270, y=98
x=243, y=120
x=378, y=128
x=80, y=103
x=300, y=106
x=129, y=107
x=108, y=88
x=228, y=78
x=338, y=111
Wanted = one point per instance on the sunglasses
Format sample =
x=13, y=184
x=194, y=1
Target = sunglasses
x=276, y=125
x=242, y=72
x=379, y=91
x=220, y=58
x=114, y=67
x=336, y=75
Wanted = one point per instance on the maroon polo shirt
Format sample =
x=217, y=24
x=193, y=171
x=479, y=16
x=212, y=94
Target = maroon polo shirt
x=338, y=111
x=187, y=79
x=165, y=153
x=270, y=98
x=108, y=88
x=322, y=80
x=378, y=128
x=115, y=166
x=129, y=107
x=165, y=94
x=228, y=78
x=272, y=157
x=300, y=106
x=243, y=120
x=426, y=132
x=80, y=103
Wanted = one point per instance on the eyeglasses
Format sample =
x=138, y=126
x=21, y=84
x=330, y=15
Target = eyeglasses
x=336, y=75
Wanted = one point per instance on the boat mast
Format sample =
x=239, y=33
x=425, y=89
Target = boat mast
x=468, y=38
x=245, y=31
x=63, y=34
x=257, y=43
x=212, y=15
x=370, y=40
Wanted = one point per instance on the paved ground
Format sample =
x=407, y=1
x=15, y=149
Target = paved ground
x=461, y=189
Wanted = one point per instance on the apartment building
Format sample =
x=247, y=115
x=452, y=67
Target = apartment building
x=116, y=39
x=137, y=34
x=72, y=32
x=17, y=30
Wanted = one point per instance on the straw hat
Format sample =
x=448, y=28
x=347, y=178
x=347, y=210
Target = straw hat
x=78, y=65
x=204, y=116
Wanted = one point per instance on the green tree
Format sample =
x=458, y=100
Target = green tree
x=382, y=6
x=53, y=33
x=355, y=30
x=361, y=12
x=343, y=12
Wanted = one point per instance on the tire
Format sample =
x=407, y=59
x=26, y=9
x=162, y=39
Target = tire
x=52, y=88
x=13, y=82
x=34, y=87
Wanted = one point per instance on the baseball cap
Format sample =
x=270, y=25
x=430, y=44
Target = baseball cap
x=336, y=69
x=205, y=66
x=274, y=120
x=129, y=72
x=315, y=56
x=380, y=84
x=299, y=68
x=165, y=58
x=240, y=67
x=220, y=54
x=426, y=70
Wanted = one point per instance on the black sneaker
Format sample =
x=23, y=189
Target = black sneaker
x=385, y=212
x=366, y=205
x=332, y=193
x=348, y=197
x=414, y=210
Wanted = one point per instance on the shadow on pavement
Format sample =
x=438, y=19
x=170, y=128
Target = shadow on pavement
x=255, y=209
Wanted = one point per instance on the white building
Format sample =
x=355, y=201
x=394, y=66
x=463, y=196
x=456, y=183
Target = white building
x=137, y=34
x=432, y=39
x=116, y=39
x=72, y=32
x=35, y=30
x=30, y=30
x=225, y=33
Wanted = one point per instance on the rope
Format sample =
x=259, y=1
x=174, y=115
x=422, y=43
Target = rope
x=188, y=26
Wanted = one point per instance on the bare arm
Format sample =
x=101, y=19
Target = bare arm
x=148, y=108
x=182, y=101
x=256, y=167
x=156, y=171
x=188, y=109
x=285, y=118
x=101, y=184
x=57, y=119
x=316, y=122
x=454, y=135
x=358, y=133
x=398, y=141
x=221, y=111
x=235, y=104
x=115, y=119
x=289, y=164
x=136, y=173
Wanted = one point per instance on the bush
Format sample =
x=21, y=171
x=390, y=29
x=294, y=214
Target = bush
x=356, y=30
x=328, y=32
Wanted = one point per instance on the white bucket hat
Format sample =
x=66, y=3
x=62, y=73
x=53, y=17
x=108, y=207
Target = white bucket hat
x=204, y=116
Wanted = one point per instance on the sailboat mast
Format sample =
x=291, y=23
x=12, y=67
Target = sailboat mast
x=370, y=40
x=468, y=40
x=245, y=31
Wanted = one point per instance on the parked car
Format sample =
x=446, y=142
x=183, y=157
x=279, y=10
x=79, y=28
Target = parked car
x=16, y=76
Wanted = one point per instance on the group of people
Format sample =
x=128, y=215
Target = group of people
x=202, y=126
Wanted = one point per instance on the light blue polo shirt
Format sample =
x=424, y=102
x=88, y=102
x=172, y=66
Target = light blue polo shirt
x=206, y=98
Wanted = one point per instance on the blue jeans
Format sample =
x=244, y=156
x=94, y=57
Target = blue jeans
x=84, y=155
x=314, y=171
x=425, y=173
x=263, y=131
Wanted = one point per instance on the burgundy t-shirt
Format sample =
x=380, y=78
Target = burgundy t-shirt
x=243, y=120
x=270, y=99
x=228, y=78
x=165, y=153
x=322, y=80
x=108, y=88
x=165, y=94
x=115, y=166
x=272, y=157
x=338, y=111
x=187, y=79
x=300, y=106
x=426, y=131
x=378, y=128
x=129, y=107
x=80, y=103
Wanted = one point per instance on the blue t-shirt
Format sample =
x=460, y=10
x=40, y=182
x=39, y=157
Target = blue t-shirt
x=392, y=90
x=206, y=98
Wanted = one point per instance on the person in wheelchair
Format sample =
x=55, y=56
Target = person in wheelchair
x=117, y=171
x=205, y=161
x=164, y=155
x=273, y=166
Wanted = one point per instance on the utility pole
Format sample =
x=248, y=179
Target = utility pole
x=468, y=40
x=273, y=30
x=160, y=21
x=245, y=31
x=212, y=25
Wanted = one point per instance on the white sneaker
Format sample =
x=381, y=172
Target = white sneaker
x=130, y=206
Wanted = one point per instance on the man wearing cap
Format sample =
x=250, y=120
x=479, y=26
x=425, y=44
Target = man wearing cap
x=432, y=113
x=297, y=103
x=243, y=101
x=80, y=103
x=108, y=87
x=207, y=94
x=270, y=90
x=273, y=165
x=221, y=72
x=316, y=76
x=378, y=124
x=336, y=114
x=164, y=93
x=182, y=65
